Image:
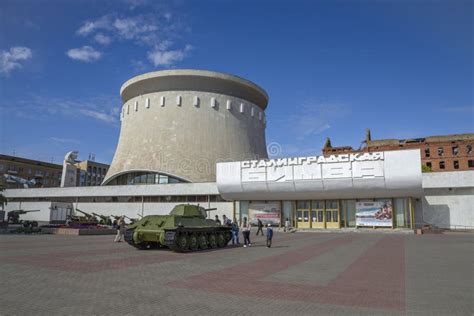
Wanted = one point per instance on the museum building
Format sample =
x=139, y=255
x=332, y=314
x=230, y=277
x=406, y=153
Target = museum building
x=193, y=136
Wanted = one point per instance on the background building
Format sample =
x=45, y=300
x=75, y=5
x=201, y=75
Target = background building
x=38, y=174
x=91, y=173
x=177, y=124
x=438, y=153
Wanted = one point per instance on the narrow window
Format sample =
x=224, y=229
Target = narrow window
x=242, y=108
x=440, y=151
x=178, y=100
x=196, y=101
x=427, y=152
x=470, y=163
x=259, y=116
x=229, y=105
x=252, y=112
x=136, y=106
x=162, y=100
x=147, y=103
x=455, y=150
x=456, y=164
x=441, y=165
x=469, y=149
x=213, y=102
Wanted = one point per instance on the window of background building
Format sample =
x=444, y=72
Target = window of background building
x=29, y=170
x=441, y=165
x=456, y=164
x=469, y=149
x=1, y=167
x=455, y=150
x=470, y=163
x=427, y=152
x=440, y=151
x=428, y=164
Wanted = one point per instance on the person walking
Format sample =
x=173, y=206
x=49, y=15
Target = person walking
x=120, y=229
x=287, y=225
x=269, y=235
x=246, y=232
x=260, y=226
x=235, y=233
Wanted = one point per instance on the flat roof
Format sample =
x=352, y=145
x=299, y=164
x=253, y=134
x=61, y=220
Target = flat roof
x=194, y=80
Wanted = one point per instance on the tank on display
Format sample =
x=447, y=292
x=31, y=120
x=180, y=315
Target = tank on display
x=184, y=229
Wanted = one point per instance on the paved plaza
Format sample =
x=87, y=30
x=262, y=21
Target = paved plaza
x=304, y=274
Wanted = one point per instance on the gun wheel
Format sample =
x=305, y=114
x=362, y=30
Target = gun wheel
x=182, y=243
x=221, y=240
x=212, y=241
x=202, y=241
x=193, y=242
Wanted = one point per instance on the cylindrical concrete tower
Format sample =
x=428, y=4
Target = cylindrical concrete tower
x=176, y=124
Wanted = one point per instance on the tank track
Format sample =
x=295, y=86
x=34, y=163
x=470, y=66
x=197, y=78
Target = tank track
x=188, y=239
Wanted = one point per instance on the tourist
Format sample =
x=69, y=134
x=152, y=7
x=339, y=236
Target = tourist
x=217, y=220
x=246, y=232
x=235, y=232
x=269, y=235
x=287, y=225
x=120, y=229
x=225, y=221
x=260, y=226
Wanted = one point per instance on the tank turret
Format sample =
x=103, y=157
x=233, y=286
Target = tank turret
x=184, y=229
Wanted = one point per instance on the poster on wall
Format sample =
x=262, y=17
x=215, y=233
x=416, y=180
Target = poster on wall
x=376, y=213
x=268, y=213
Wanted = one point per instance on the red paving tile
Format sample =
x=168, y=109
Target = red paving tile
x=374, y=280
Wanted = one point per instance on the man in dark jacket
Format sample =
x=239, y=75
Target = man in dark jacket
x=260, y=226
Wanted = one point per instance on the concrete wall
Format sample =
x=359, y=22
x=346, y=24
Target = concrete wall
x=448, y=199
x=185, y=132
x=128, y=209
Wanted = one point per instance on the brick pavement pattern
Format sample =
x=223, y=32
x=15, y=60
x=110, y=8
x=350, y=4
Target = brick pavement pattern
x=304, y=274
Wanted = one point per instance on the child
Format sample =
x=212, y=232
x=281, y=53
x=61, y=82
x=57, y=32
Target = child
x=269, y=235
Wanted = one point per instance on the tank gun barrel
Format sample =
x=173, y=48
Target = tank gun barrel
x=86, y=214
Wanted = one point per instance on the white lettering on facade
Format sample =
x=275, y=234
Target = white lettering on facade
x=298, y=161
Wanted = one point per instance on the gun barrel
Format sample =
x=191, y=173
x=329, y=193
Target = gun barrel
x=210, y=209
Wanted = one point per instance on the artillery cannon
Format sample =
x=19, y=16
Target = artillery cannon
x=87, y=219
x=104, y=220
x=184, y=229
x=13, y=217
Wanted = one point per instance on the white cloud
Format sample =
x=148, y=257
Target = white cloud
x=85, y=53
x=158, y=29
x=102, y=39
x=11, y=59
x=101, y=116
x=159, y=57
x=104, y=108
x=103, y=23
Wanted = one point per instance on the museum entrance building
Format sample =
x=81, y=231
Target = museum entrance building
x=326, y=192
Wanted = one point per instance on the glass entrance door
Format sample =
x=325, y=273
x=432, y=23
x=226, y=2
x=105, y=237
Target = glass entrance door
x=332, y=214
x=317, y=214
x=302, y=214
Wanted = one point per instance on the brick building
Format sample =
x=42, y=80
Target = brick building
x=438, y=153
x=14, y=170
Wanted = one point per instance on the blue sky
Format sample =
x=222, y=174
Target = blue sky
x=331, y=68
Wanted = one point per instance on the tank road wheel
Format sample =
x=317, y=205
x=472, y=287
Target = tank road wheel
x=202, y=240
x=212, y=241
x=182, y=243
x=221, y=240
x=193, y=242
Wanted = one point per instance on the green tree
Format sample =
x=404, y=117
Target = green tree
x=425, y=168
